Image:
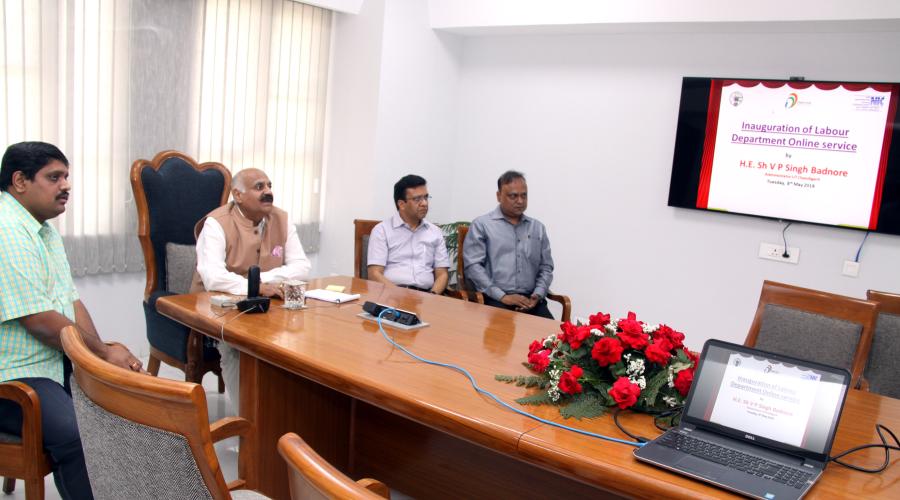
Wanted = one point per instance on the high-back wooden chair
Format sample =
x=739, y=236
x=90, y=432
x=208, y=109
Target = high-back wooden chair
x=882, y=373
x=23, y=457
x=172, y=192
x=148, y=437
x=814, y=325
x=476, y=296
x=363, y=228
x=313, y=478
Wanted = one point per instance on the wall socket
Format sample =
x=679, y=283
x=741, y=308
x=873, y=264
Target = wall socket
x=774, y=251
x=851, y=268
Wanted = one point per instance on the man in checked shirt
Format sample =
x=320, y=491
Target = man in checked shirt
x=37, y=299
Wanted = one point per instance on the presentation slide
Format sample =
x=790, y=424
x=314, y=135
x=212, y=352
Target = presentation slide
x=766, y=399
x=812, y=154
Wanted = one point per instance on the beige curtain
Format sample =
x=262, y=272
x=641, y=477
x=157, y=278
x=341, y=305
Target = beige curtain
x=262, y=98
x=110, y=81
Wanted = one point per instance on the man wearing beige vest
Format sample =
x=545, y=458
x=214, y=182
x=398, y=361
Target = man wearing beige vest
x=246, y=232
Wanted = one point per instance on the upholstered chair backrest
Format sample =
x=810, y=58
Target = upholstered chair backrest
x=814, y=325
x=143, y=436
x=809, y=336
x=129, y=460
x=172, y=193
x=883, y=371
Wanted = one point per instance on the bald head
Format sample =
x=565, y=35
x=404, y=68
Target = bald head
x=247, y=178
x=252, y=192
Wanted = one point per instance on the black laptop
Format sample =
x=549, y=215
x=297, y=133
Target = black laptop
x=756, y=423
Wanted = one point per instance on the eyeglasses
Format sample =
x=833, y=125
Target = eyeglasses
x=419, y=199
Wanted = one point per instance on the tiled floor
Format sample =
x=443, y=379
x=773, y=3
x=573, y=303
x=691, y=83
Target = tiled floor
x=218, y=407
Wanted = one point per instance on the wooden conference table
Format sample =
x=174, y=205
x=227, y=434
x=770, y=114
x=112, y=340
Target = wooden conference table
x=372, y=411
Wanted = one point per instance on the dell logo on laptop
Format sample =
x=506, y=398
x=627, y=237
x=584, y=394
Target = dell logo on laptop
x=748, y=436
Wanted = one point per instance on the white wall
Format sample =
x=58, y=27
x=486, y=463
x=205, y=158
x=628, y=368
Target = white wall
x=350, y=138
x=417, y=112
x=114, y=301
x=591, y=120
x=392, y=112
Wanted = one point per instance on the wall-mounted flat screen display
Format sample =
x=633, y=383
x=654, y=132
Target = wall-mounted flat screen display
x=798, y=150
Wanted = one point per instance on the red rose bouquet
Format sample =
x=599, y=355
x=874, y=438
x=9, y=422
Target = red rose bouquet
x=589, y=367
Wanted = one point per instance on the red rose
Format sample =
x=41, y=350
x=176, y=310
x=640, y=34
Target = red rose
x=567, y=330
x=663, y=332
x=658, y=352
x=568, y=382
x=635, y=340
x=693, y=356
x=539, y=360
x=683, y=381
x=676, y=339
x=579, y=335
x=535, y=346
x=598, y=319
x=607, y=351
x=625, y=392
x=630, y=324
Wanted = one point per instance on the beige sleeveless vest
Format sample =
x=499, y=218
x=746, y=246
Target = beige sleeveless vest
x=244, y=246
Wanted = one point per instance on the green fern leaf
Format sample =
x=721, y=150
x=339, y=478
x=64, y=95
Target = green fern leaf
x=651, y=390
x=538, y=398
x=522, y=380
x=584, y=406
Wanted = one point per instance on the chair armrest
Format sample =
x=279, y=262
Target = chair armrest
x=456, y=294
x=237, y=484
x=475, y=296
x=27, y=398
x=376, y=487
x=566, y=304
x=229, y=427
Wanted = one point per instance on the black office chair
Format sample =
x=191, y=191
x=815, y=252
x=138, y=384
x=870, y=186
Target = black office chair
x=172, y=193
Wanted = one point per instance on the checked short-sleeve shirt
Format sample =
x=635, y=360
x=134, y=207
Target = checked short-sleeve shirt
x=34, y=277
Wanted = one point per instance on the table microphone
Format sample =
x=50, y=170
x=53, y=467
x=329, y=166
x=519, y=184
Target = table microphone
x=253, y=303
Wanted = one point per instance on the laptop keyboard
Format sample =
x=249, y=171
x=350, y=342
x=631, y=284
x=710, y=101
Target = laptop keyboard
x=750, y=464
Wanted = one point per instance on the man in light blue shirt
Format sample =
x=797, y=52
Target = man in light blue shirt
x=507, y=253
x=407, y=250
x=38, y=299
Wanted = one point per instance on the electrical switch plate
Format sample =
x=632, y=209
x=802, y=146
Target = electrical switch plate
x=851, y=268
x=774, y=251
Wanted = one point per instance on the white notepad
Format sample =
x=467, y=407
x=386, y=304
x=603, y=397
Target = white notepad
x=331, y=296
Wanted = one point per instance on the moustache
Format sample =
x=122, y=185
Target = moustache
x=267, y=198
x=64, y=196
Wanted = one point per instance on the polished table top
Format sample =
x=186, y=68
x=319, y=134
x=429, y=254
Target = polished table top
x=330, y=344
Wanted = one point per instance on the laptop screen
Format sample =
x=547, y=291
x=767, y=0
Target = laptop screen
x=761, y=395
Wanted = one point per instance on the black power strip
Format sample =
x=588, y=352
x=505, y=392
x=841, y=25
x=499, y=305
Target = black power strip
x=396, y=315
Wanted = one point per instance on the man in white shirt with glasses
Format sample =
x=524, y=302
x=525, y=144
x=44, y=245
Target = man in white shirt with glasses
x=407, y=250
